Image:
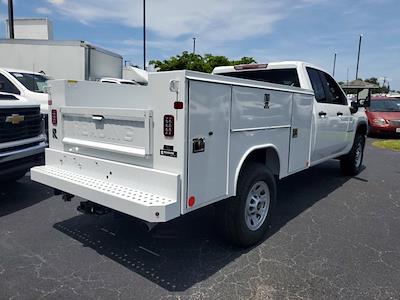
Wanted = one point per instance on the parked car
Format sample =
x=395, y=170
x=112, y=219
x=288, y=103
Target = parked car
x=22, y=138
x=30, y=85
x=384, y=116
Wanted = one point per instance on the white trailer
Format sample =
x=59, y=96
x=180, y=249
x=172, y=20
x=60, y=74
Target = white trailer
x=189, y=139
x=76, y=60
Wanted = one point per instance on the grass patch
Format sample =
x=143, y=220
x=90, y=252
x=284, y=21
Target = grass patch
x=388, y=144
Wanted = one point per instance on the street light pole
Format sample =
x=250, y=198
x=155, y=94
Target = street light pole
x=11, y=19
x=144, y=34
x=194, y=45
x=334, y=65
x=358, y=55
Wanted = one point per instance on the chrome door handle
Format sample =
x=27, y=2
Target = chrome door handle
x=97, y=118
x=322, y=114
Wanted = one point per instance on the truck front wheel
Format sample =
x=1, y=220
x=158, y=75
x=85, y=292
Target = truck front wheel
x=246, y=217
x=351, y=163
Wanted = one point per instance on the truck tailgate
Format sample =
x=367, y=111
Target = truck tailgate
x=122, y=131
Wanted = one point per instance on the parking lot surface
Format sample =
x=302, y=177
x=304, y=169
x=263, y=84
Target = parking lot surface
x=331, y=237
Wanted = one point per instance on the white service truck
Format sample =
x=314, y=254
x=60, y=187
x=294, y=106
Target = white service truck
x=22, y=137
x=189, y=139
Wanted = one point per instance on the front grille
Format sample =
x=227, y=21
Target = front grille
x=394, y=123
x=30, y=127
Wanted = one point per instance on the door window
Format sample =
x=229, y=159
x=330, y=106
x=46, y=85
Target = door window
x=334, y=93
x=6, y=86
x=317, y=85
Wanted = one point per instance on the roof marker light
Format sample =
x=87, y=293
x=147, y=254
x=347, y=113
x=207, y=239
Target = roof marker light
x=250, y=67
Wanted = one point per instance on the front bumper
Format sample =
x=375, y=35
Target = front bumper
x=144, y=193
x=384, y=129
x=21, y=158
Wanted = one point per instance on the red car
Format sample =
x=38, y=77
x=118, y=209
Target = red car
x=384, y=116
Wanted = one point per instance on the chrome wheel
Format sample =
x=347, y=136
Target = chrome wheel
x=358, y=155
x=257, y=205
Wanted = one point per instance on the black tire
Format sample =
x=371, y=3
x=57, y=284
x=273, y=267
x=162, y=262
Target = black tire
x=14, y=177
x=351, y=163
x=232, y=212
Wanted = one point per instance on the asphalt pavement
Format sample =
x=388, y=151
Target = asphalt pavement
x=331, y=237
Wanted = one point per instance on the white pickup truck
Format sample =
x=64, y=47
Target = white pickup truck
x=27, y=84
x=189, y=139
x=22, y=137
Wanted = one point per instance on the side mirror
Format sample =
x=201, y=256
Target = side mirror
x=364, y=97
x=1, y=86
x=354, y=105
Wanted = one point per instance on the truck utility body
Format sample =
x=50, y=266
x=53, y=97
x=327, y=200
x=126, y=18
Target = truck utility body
x=159, y=151
x=78, y=60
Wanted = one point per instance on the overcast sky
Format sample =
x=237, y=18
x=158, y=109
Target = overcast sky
x=269, y=30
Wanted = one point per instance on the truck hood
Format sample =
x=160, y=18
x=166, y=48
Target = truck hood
x=387, y=115
x=19, y=102
x=41, y=99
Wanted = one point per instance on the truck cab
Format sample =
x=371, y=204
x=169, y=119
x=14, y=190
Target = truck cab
x=27, y=84
x=22, y=138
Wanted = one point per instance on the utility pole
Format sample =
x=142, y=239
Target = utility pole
x=11, y=19
x=334, y=65
x=194, y=45
x=358, y=55
x=347, y=75
x=144, y=34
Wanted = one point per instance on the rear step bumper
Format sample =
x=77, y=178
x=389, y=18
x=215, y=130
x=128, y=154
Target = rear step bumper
x=124, y=197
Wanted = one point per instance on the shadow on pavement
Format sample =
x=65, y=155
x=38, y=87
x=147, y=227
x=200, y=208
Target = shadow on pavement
x=21, y=194
x=185, y=251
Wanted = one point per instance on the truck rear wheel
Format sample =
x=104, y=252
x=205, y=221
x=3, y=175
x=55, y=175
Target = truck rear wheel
x=246, y=217
x=351, y=163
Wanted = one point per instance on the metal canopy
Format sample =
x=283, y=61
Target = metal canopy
x=359, y=84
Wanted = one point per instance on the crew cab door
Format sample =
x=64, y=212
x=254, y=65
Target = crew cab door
x=331, y=116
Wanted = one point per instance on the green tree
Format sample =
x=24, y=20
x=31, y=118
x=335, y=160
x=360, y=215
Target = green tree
x=196, y=62
x=373, y=80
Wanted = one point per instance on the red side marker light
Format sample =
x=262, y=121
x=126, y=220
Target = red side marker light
x=50, y=102
x=191, y=201
x=54, y=117
x=178, y=105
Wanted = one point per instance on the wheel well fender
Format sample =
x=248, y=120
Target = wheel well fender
x=265, y=154
x=362, y=128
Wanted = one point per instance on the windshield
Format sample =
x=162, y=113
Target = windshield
x=278, y=76
x=385, y=105
x=33, y=82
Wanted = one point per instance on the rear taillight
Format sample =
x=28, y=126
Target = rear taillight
x=54, y=117
x=169, y=125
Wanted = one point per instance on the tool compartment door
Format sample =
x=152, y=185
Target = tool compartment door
x=208, y=140
x=300, y=136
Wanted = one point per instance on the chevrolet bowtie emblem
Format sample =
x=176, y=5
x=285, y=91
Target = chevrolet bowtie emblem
x=15, y=119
